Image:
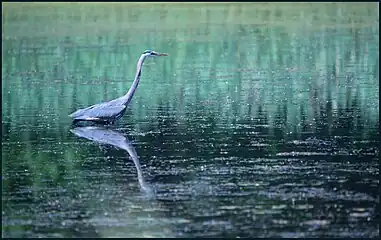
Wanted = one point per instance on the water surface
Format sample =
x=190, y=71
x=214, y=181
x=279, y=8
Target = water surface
x=262, y=122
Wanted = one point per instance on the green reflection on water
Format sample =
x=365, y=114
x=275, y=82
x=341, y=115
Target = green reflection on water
x=297, y=68
x=257, y=56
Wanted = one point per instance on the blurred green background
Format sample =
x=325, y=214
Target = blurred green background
x=231, y=58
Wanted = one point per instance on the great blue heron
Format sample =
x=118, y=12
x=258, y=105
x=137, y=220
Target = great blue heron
x=106, y=136
x=109, y=112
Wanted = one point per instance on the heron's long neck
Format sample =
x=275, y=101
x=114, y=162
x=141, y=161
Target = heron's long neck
x=127, y=98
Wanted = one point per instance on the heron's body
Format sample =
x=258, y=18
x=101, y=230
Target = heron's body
x=109, y=112
x=106, y=112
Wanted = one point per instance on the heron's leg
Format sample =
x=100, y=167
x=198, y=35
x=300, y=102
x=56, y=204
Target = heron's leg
x=101, y=122
x=105, y=122
x=75, y=121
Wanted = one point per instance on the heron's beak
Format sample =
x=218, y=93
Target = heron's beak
x=159, y=54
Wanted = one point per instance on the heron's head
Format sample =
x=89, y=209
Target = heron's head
x=153, y=53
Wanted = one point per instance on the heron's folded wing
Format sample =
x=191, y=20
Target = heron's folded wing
x=78, y=113
x=105, y=111
x=83, y=111
x=98, y=111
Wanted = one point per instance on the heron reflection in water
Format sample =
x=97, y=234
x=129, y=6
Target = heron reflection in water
x=106, y=136
x=109, y=112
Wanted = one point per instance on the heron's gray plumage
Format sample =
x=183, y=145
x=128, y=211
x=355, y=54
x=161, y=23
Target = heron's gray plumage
x=102, y=111
x=112, y=110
